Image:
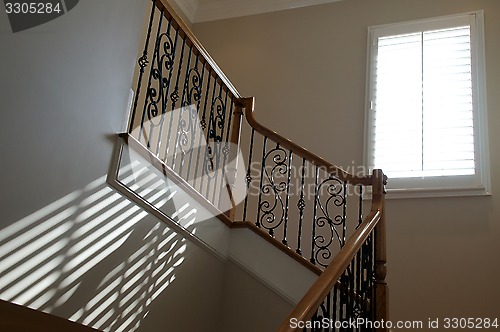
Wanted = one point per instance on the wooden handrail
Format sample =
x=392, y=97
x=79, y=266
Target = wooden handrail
x=308, y=305
x=300, y=151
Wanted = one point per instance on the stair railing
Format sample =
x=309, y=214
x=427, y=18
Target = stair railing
x=187, y=117
x=297, y=198
x=185, y=111
x=351, y=294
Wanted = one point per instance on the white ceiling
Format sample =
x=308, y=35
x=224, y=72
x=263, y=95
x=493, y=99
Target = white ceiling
x=210, y=10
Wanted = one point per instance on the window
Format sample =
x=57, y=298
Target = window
x=426, y=116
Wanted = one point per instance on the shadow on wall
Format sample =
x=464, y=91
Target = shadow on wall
x=93, y=256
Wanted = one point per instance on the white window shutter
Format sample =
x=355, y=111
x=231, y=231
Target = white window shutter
x=423, y=103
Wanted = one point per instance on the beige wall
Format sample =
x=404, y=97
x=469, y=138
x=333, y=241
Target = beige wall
x=247, y=304
x=306, y=67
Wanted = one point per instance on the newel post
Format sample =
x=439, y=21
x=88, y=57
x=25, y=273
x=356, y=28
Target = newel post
x=381, y=289
x=234, y=140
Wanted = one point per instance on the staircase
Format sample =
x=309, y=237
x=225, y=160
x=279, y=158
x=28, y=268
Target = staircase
x=190, y=124
x=193, y=126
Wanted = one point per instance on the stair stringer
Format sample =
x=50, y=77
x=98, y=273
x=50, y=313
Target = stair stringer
x=270, y=265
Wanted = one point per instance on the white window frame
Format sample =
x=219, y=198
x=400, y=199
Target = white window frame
x=457, y=185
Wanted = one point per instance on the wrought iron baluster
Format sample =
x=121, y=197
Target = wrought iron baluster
x=191, y=95
x=181, y=123
x=343, y=296
x=372, y=272
x=328, y=219
x=143, y=62
x=151, y=109
x=273, y=207
x=360, y=206
x=312, y=259
x=203, y=124
x=167, y=60
x=248, y=175
x=329, y=304
x=321, y=313
x=344, y=215
x=150, y=103
x=350, y=272
x=219, y=139
x=367, y=277
x=225, y=150
x=301, y=204
x=197, y=97
x=165, y=94
x=174, y=97
x=359, y=305
x=257, y=223
x=290, y=154
x=208, y=165
x=362, y=282
x=314, y=318
x=336, y=305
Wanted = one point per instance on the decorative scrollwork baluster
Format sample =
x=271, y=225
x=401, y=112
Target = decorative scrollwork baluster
x=195, y=97
x=191, y=96
x=225, y=149
x=203, y=125
x=150, y=103
x=166, y=62
x=328, y=219
x=183, y=127
x=272, y=207
x=159, y=85
x=192, y=92
x=143, y=62
x=163, y=62
x=194, y=85
x=215, y=124
x=208, y=164
x=216, y=131
x=174, y=98
x=222, y=149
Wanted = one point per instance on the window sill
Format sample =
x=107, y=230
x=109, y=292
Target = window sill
x=436, y=192
x=392, y=193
